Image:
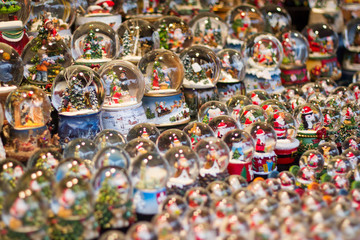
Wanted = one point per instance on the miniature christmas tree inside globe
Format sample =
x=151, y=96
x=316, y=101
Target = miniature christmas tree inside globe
x=27, y=107
x=10, y=172
x=139, y=146
x=162, y=70
x=77, y=90
x=174, y=33
x=109, y=138
x=47, y=159
x=80, y=148
x=94, y=43
x=172, y=138
x=211, y=109
x=123, y=83
x=12, y=68
x=309, y=117
x=232, y=66
x=137, y=37
x=111, y=156
x=202, y=67
x=295, y=47
x=277, y=18
x=197, y=131
x=73, y=167
x=210, y=30
x=144, y=130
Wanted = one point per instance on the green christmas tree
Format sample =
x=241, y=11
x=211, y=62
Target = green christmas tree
x=92, y=49
x=93, y=99
x=197, y=31
x=217, y=35
x=126, y=43
x=73, y=96
x=207, y=25
x=236, y=154
x=189, y=71
x=243, y=172
x=163, y=35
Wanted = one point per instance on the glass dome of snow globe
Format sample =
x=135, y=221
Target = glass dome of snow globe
x=236, y=103
x=27, y=107
x=241, y=146
x=172, y=138
x=312, y=159
x=10, y=172
x=243, y=197
x=73, y=199
x=339, y=165
x=333, y=101
x=260, y=189
x=350, y=114
x=109, y=138
x=174, y=33
x=209, y=29
x=243, y=20
x=350, y=142
x=328, y=150
x=174, y=205
x=284, y=125
x=167, y=226
x=137, y=37
x=24, y=211
x=310, y=88
x=197, y=131
x=236, y=182
x=162, y=70
x=77, y=90
x=272, y=106
x=259, y=129
x=277, y=18
x=15, y=11
x=81, y=148
x=197, y=197
x=327, y=84
x=144, y=130
x=94, y=43
x=291, y=92
x=295, y=102
x=202, y=67
x=251, y=113
x=317, y=98
x=74, y=167
x=344, y=94
x=332, y=119
x=295, y=47
x=112, y=235
x=139, y=146
x=199, y=215
x=323, y=40
x=12, y=67
x=223, y=207
x=309, y=117
x=123, y=82
x=211, y=109
x=287, y=180
x=352, y=35
x=258, y=96
x=47, y=159
x=111, y=156
x=222, y=124
x=232, y=66
x=263, y=51
x=141, y=231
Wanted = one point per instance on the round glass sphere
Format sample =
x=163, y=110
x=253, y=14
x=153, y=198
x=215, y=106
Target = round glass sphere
x=339, y=165
x=73, y=167
x=236, y=182
x=209, y=29
x=202, y=67
x=236, y=103
x=174, y=33
x=354, y=158
x=249, y=114
x=167, y=226
x=77, y=90
x=73, y=199
x=197, y=197
x=323, y=40
x=223, y=206
x=139, y=146
x=317, y=99
x=295, y=47
x=94, y=43
x=39, y=181
x=344, y=94
x=137, y=37
x=47, y=159
x=328, y=189
x=123, y=82
x=284, y=125
x=232, y=66
x=222, y=124
x=109, y=138
x=277, y=18
x=263, y=51
x=112, y=235
x=241, y=146
x=80, y=148
x=332, y=118
x=27, y=107
x=210, y=110
x=291, y=92
x=244, y=20
x=352, y=35
x=309, y=117
x=174, y=205
x=260, y=188
x=350, y=142
x=111, y=156
x=218, y=189
x=197, y=131
x=258, y=96
x=327, y=84
x=295, y=102
x=150, y=171
x=12, y=68
x=144, y=130
x=287, y=180
x=333, y=101
x=341, y=182
x=350, y=114
x=243, y=197
x=184, y=166
x=142, y=231
x=162, y=70
x=328, y=150
x=10, y=172
x=272, y=106
x=312, y=159
x=263, y=135
x=172, y=138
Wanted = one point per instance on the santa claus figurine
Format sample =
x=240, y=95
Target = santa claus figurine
x=145, y=135
x=312, y=161
x=255, y=99
x=260, y=141
x=279, y=126
x=221, y=129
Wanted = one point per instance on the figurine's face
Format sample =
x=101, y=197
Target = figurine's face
x=50, y=26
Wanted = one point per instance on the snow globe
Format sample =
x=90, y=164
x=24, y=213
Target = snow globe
x=272, y=106
x=351, y=142
x=137, y=37
x=73, y=207
x=11, y=67
x=222, y=124
x=111, y=156
x=82, y=148
x=326, y=11
x=210, y=30
x=210, y=110
x=24, y=215
x=264, y=54
x=172, y=138
x=214, y=157
x=139, y=146
x=124, y=88
x=265, y=159
x=314, y=161
x=197, y=131
x=332, y=123
x=355, y=88
x=45, y=56
x=144, y=130
x=94, y=44
x=113, y=192
x=242, y=149
x=77, y=95
x=47, y=159
x=174, y=205
x=327, y=84
x=236, y=103
x=197, y=197
x=323, y=43
x=339, y=165
x=109, y=138
x=27, y=110
x=277, y=18
x=174, y=33
x=243, y=21
x=236, y=182
x=141, y=231
x=150, y=173
x=167, y=226
x=112, y=235
x=74, y=167
x=249, y=114
x=10, y=172
x=184, y=168
x=285, y=128
x=296, y=52
x=232, y=74
x=258, y=96
x=218, y=190
x=310, y=120
x=164, y=103
x=353, y=156
x=350, y=119
x=351, y=35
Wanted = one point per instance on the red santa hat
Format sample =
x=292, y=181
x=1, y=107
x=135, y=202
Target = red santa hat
x=306, y=110
x=350, y=155
x=248, y=121
x=105, y=3
x=265, y=107
x=253, y=95
x=221, y=125
x=260, y=132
